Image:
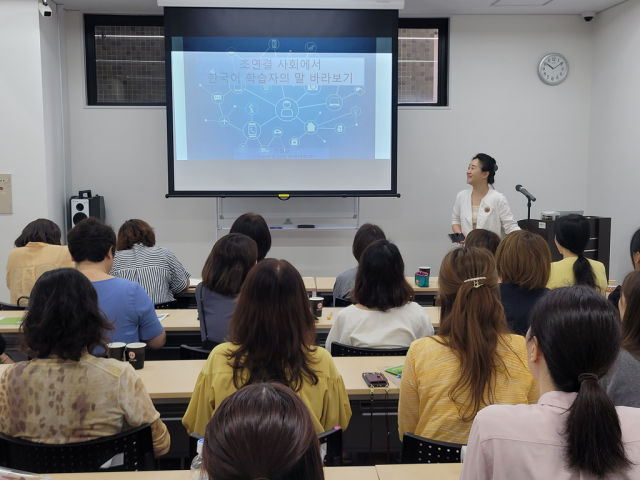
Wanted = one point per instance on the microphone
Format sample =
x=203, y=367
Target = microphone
x=522, y=190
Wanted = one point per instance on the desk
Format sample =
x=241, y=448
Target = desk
x=441, y=471
x=331, y=473
x=325, y=285
x=309, y=283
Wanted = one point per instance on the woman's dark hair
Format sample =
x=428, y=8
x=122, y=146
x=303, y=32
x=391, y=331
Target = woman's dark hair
x=262, y=431
x=572, y=233
x=380, y=281
x=365, y=236
x=488, y=164
x=91, y=240
x=254, y=226
x=63, y=318
x=273, y=328
x=483, y=239
x=41, y=230
x=230, y=260
x=472, y=324
x=634, y=246
x=135, y=231
x=524, y=259
x=578, y=332
x=631, y=318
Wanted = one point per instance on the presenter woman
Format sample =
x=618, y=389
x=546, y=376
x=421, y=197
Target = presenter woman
x=482, y=206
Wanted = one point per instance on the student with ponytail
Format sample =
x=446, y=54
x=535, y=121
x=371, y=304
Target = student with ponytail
x=472, y=363
x=572, y=237
x=574, y=431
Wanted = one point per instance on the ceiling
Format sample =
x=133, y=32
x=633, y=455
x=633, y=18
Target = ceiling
x=413, y=8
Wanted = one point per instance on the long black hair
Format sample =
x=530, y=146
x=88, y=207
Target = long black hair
x=572, y=233
x=487, y=164
x=634, y=246
x=579, y=334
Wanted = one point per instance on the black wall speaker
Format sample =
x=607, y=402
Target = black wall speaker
x=83, y=206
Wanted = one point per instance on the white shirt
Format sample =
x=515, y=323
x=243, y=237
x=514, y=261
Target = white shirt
x=494, y=213
x=395, y=328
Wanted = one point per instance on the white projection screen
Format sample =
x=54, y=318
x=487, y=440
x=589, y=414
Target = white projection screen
x=281, y=102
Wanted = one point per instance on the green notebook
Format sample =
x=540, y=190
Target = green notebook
x=397, y=370
x=10, y=320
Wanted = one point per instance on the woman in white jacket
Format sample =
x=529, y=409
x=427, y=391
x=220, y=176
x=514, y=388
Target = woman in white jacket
x=482, y=206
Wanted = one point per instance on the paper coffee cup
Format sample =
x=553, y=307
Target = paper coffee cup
x=316, y=306
x=134, y=354
x=116, y=350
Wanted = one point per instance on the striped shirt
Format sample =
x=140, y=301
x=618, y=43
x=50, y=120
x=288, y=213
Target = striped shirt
x=155, y=268
x=430, y=372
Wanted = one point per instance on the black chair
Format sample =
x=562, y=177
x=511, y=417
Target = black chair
x=8, y=306
x=341, y=350
x=417, y=449
x=136, y=447
x=333, y=440
x=166, y=306
x=193, y=353
x=341, y=302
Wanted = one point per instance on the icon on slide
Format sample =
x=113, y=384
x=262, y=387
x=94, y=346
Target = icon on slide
x=311, y=127
x=274, y=43
x=340, y=128
x=252, y=109
x=359, y=90
x=265, y=88
x=237, y=88
x=252, y=127
x=356, y=111
x=311, y=47
x=264, y=150
x=287, y=109
x=217, y=97
x=224, y=121
x=231, y=51
x=334, y=102
x=277, y=132
x=312, y=89
x=242, y=147
x=294, y=141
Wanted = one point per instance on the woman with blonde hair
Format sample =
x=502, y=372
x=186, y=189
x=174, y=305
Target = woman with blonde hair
x=472, y=363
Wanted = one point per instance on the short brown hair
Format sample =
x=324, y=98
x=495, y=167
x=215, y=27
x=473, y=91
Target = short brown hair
x=91, y=240
x=524, y=259
x=273, y=328
x=255, y=227
x=484, y=239
x=262, y=431
x=230, y=260
x=135, y=231
x=40, y=230
x=380, y=281
x=365, y=236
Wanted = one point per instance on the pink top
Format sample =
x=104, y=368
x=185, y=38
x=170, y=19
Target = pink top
x=523, y=441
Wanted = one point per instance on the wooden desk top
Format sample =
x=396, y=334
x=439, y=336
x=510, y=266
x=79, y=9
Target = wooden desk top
x=441, y=471
x=352, y=368
x=331, y=473
x=309, y=283
x=325, y=285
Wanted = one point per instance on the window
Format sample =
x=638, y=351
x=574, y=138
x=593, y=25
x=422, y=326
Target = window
x=125, y=60
x=423, y=54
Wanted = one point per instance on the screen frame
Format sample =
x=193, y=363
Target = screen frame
x=194, y=22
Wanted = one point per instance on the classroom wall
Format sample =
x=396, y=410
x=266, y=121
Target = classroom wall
x=22, y=135
x=538, y=134
x=614, y=145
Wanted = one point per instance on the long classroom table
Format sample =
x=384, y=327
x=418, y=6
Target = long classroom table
x=325, y=285
x=433, y=471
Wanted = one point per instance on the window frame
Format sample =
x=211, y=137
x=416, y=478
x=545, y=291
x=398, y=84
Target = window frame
x=90, y=22
x=442, y=24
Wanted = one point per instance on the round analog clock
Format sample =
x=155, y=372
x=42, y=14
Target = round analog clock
x=553, y=69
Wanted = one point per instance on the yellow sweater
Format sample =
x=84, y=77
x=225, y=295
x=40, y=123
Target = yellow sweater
x=430, y=372
x=327, y=400
x=562, y=274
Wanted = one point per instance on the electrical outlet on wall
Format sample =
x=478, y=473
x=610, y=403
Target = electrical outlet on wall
x=6, y=196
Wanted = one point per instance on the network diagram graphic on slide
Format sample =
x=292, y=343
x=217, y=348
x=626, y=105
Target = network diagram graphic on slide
x=300, y=110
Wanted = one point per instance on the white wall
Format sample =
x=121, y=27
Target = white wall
x=22, y=139
x=538, y=134
x=614, y=148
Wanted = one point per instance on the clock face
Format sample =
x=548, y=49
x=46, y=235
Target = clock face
x=553, y=69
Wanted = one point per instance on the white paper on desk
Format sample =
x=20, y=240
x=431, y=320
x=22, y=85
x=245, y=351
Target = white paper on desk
x=162, y=316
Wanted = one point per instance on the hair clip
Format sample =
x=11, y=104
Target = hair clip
x=476, y=281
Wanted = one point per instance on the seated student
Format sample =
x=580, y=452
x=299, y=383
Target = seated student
x=38, y=250
x=64, y=394
x=384, y=315
x=254, y=227
x=222, y=277
x=572, y=237
x=523, y=261
x=155, y=268
x=484, y=239
x=259, y=432
x=272, y=336
x=472, y=363
x=622, y=383
x=574, y=432
x=4, y=358
x=365, y=236
x=634, y=248
x=126, y=304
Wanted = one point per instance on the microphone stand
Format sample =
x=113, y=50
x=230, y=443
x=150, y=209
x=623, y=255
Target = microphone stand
x=528, y=209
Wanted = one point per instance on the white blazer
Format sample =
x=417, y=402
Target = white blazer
x=494, y=213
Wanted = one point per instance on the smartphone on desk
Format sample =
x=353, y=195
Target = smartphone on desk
x=375, y=379
x=456, y=237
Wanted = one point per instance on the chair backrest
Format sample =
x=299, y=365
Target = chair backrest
x=341, y=350
x=8, y=306
x=333, y=439
x=134, y=449
x=341, y=302
x=193, y=353
x=416, y=449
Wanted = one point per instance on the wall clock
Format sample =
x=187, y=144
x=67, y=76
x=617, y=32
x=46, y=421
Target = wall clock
x=553, y=69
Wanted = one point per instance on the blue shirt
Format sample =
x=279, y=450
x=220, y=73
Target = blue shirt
x=129, y=308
